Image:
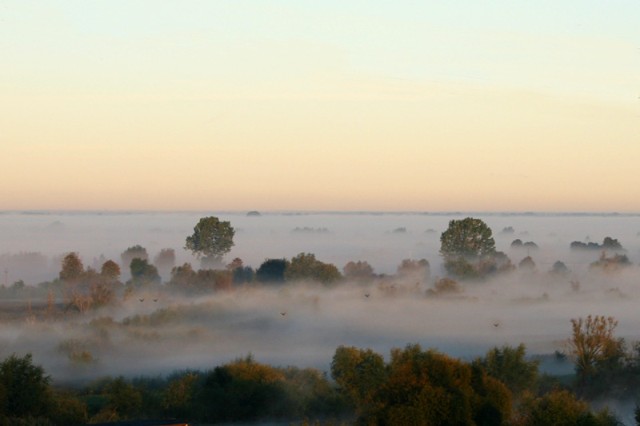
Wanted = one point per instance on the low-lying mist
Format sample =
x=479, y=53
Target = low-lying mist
x=301, y=323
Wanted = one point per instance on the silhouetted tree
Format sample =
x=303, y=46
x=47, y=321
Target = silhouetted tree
x=26, y=388
x=272, y=271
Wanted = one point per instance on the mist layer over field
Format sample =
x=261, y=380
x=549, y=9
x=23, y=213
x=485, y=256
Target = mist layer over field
x=303, y=323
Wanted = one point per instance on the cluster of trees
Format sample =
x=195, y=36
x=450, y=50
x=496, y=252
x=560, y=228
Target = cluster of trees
x=467, y=248
x=607, y=244
x=415, y=386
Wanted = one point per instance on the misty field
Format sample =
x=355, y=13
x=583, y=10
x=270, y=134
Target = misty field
x=155, y=330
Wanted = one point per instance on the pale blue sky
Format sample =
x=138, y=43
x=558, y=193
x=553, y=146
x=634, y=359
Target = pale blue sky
x=365, y=85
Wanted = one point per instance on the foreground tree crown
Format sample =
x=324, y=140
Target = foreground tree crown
x=211, y=238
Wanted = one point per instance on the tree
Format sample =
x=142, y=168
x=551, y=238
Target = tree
x=134, y=252
x=359, y=373
x=417, y=270
x=165, y=260
x=509, y=365
x=110, y=271
x=123, y=398
x=272, y=271
x=72, y=268
x=143, y=273
x=468, y=237
x=468, y=248
x=358, y=271
x=594, y=346
x=561, y=408
x=305, y=266
x=211, y=239
x=26, y=388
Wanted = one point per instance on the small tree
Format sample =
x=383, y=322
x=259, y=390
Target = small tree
x=211, y=239
x=134, y=252
x=110, y=271
x=72, y=268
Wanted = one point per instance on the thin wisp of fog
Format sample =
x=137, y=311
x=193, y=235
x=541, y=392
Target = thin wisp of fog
x=302, y=323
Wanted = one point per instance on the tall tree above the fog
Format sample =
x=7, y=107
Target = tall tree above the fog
x=469, y=249
x=211, y=239
x=469, y=237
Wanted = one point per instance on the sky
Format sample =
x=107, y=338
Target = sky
x=306, y=105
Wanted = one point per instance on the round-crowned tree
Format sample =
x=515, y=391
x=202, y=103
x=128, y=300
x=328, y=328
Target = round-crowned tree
x=211, y=239
x=468, y=248
x=469, y=238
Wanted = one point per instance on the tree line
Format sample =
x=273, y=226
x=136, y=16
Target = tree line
x=414, y=387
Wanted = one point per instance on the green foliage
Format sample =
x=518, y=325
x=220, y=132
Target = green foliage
x=561, y=408
x=470, y=238
x=211, y=238
x=359, y=373
x=242, y=391
x=305, y=266
x=123, y=398
x=143, y=273
x=510, y=366
x=178, y=396
x=469, y=250
x=272, y=271
x=24, y=388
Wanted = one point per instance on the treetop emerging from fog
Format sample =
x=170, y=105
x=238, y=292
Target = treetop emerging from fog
x=468, y=237
x=211, y=238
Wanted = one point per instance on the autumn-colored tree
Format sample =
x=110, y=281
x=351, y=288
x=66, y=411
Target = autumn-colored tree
x=72, y=268
x=594, y=346
x=419, y=387
x=560, y=408
x=178, y=396
x=110, y=271
x=359, y=373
